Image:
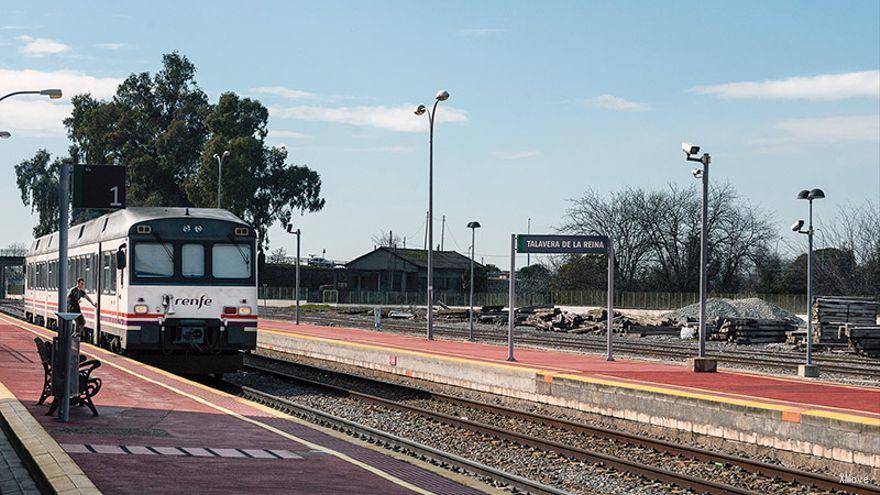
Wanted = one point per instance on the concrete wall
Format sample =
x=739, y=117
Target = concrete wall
x=778, y=427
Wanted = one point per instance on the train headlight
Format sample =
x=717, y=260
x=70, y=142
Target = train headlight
x=244, y=310
x=141, y=309
x=230, y=310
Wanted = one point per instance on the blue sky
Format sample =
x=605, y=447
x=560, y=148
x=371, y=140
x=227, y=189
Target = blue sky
x=548, y=98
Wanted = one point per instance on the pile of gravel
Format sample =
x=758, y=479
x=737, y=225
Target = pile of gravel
x=752, y=307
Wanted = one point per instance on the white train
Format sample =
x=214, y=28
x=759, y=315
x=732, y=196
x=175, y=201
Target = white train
x=174, y=286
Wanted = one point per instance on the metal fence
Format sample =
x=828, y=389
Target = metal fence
x=796, y=303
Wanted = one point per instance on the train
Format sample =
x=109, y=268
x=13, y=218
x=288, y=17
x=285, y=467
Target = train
x=175, y=287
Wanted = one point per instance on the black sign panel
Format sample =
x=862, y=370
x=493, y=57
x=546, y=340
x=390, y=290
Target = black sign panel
x=99, y=186
x=562, y=244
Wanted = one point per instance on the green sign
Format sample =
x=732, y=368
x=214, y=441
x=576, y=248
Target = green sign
x=562, y=244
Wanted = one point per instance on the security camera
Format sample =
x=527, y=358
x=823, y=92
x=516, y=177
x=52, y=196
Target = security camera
x=697, y=172
x=690, y=149
x=796, y=227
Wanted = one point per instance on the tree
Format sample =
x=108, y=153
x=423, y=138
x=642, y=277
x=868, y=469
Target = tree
x=480, y=278
x=533, y=279
x=656, y=236
x=277, y=256
x=166, y=132
x=579, y=272
x=387, y=239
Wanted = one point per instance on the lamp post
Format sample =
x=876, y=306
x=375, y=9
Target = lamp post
x=298, y=234
x=220, y=159
x=5, y=135
x=473, y=226
x=701, y=362
x=442, y=95
x=63, y=318
x=51, y=93
x=809, y=369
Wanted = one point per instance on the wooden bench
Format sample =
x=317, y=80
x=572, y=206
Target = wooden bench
x=88, y=386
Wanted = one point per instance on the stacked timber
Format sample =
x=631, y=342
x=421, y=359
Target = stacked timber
x=751, y=330
x=864, y=340
x=829, y=313
x=553, y=320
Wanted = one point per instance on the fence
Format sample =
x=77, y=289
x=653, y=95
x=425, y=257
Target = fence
x=795, y=303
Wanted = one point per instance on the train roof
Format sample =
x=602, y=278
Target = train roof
x=117, y=224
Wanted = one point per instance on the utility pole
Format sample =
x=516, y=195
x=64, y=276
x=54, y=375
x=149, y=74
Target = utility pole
x=529, y=231
x=442, y=233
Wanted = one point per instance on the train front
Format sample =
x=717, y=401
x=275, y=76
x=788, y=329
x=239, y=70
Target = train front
x=193, y=292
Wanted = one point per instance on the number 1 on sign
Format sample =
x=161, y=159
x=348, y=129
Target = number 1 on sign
x=115, y=191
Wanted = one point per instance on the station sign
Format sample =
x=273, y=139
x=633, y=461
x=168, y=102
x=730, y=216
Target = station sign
x=562, y=244
x=100, y=187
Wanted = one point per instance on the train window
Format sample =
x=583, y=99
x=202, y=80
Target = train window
x=231, y=260
x=112, y=281
x=49, y=277
x=192, y=260
x=153, y=259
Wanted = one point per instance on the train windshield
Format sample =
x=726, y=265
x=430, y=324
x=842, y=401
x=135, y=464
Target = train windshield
x=231, y=260
x=152, y=259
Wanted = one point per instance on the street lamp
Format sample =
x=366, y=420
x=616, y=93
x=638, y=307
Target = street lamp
x=5, y=135
x=701, y=362
x=809, y=369
x=51, y=93
x=297, y=233
x=442, y=95
x=473, y=226
x=220, y=159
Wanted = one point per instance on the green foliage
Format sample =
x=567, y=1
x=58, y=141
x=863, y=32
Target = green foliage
x=581, y=272
x=37, y=179
x=480, y=278
x=166, y=132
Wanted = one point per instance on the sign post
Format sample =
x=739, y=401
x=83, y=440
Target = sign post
x=560, y=244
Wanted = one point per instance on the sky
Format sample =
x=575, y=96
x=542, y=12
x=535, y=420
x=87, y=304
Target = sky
x=547, y=99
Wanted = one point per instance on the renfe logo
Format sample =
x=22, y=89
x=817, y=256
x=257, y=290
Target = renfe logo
x=204, y=300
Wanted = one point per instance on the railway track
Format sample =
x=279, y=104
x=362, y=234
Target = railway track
x=848, y=365
x=646, y=470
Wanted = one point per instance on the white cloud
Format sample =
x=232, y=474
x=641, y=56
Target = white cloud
x=37, y=47
x=288, y=134
x=397, y=118
x=38, y=116
x=515, y=155
x=110, y=46
x=865, y=84
x=480, y=32
x=288, y=93
x=797, y=134
x=611, y=102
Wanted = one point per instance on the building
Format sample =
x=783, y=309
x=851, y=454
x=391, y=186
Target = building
x=406, y=270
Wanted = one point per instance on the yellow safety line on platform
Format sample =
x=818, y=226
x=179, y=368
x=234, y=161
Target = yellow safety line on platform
x=701, y=394
x=273, y=412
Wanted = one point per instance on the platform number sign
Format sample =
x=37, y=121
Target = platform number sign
x=99, y=187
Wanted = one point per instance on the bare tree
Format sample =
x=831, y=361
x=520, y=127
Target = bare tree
x=15, y=249
x=387, y=239
x=278, y=256
x=615, y=216
x=657, y=235
x=855, y=232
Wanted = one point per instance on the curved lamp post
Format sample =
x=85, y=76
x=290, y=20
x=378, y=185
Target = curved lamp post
x=442, y=95
x=51, y=93
x=473, y=226
x=220, y=159
x=809, y=369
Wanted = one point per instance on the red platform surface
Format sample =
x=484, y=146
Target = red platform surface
x=799, y=394
x=158, y=433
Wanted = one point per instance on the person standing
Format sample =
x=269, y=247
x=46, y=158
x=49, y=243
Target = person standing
x=77, y=293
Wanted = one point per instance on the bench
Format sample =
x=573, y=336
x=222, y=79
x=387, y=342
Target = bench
x=88, y=386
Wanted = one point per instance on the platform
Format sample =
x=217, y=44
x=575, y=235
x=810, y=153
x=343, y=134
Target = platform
x=837, y=422
x=160, y=433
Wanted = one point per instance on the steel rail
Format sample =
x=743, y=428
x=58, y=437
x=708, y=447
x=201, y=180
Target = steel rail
x=393, y=441
x=765, y=469
x=647, y=471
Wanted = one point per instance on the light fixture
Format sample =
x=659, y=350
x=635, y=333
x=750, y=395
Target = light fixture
x=442, y=95
x=51, y=93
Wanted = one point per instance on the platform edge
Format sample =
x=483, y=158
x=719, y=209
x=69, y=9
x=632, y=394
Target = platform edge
x=51, y=467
